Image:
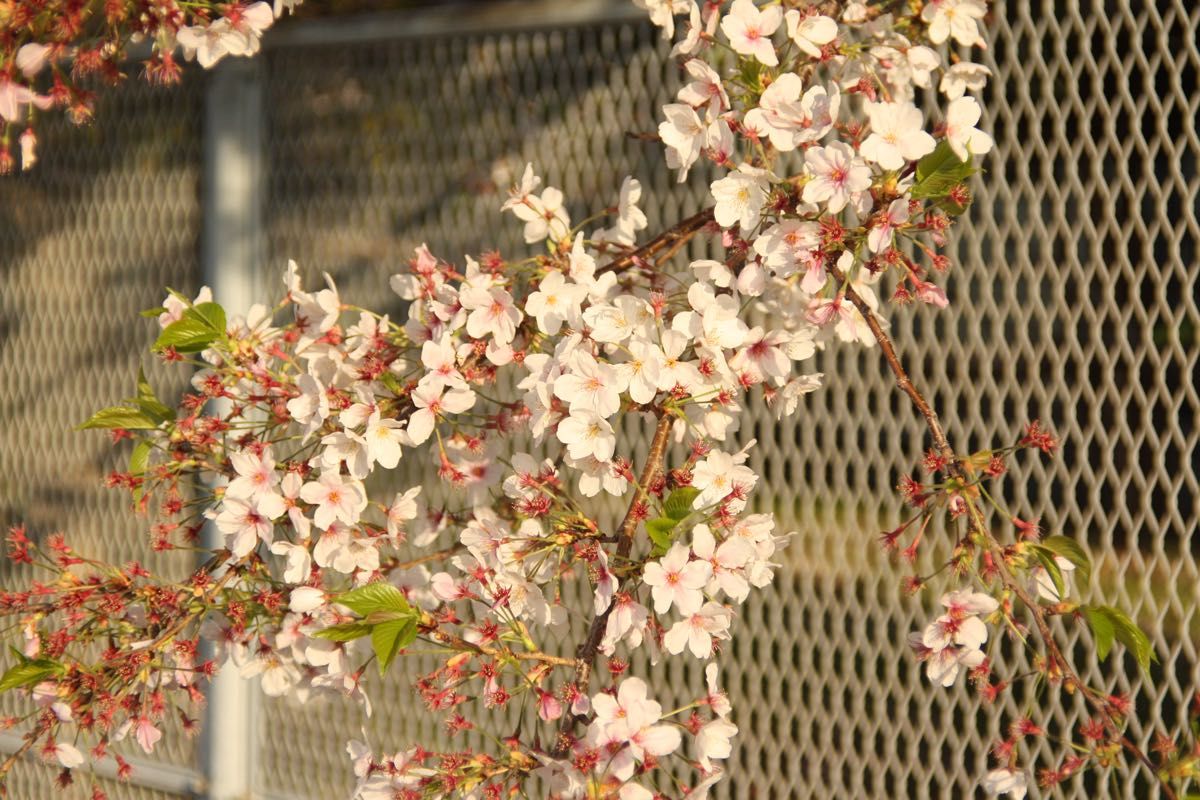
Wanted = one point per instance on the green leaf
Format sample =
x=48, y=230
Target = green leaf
x=388, y=638
x=679, y=502
x=139, y=459
x=186, y=336
x=1102, y=630
x=939, y=172
x=346, y=632
x=29, y=672
x=1109, y=623
x=374, y=597
x=200, y=326
x=1070, y=550
x=153, y=313
x=130, y=419
x=150, y=405
x=660, y=532
x=208, y=314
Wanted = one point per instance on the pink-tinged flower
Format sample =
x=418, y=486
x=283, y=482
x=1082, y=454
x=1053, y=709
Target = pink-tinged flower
x=587, y=435
x=812, y=32
x=493, y=314
x=714, y=741
x=727, y=560
x=965, y=139
x=549, y=707
x=299, y=562
x=433, y=399
x=403, y=509
x=441, y=360
x=544, y=215
x=897, y=135
x=591, y=386
x=942, y=667
x=788, y=245
x=146, y=734
x=697, y=632
x=248, y=521
x=749, y=30
x=14, y=97
x=705, y=90
x=32, y=58
x=291, y=486
x=336, y=499
x=835, y=175
x=762, y=356
x=717, y=700
x=675, y=580
x=631, y=717
x=256, y=475
x=1006, y=781
x=662, y=13
x=880, y=236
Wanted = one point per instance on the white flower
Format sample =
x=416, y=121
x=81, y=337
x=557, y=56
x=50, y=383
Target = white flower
x=713, y=741
x=963, y=77
x=740, y=197
x=591, y=386
x=674, y=580
x=749, y=30
x=697, y=632
x=641, y=373
x=299, y=563
x=305, y=599
x=432, y=400
x=617, y=321
x=556, y=301
x=944, y=666
x=544, y=216
x=835, y=174
x=383, y=438
x=965, y=139
x=1045, y=584
x=789, y=244
x=1006, y=781
x=684, y=135
x=336, y=498
x=812, y=32
x=717, y=476
x=957, y=18
x=897, y=135
x=662, y=13
x=68, y=755
x=587, y=435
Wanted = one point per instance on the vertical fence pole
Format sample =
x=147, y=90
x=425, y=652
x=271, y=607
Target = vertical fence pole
x=232, y=253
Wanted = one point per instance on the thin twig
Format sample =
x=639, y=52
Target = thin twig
x=978, y=526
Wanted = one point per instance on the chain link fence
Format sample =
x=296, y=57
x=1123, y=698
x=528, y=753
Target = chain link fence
x=1074, y=299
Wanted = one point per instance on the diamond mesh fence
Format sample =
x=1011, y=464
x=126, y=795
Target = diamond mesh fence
x=1074, y=299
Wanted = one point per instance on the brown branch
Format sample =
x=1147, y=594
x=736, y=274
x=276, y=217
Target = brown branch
x=673, y=238
x=585, y=654
x=979, y=527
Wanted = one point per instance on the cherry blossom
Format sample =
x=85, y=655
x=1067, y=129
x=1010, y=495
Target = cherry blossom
x=749, y=29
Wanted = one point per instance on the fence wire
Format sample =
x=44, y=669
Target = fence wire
x=1074, y=300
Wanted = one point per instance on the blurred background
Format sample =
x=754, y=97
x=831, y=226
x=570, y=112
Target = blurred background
x=360, y=133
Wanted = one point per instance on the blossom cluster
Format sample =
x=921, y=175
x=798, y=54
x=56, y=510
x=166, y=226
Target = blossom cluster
x=51, y=49
x=514, y=384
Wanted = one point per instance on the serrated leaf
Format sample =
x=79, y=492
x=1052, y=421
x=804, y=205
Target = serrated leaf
x=210, y=315
x=139, y=459
x=149, y=403
x=1072, y=551
x=660, y=532
x=130, y=419
x=346, y=632
x=1102, y=630
x=186, y=336
x=1109, y=623
x=28, y=672
x=679, y=502
x=939, y=172
x=366, y=600
x=388, y=638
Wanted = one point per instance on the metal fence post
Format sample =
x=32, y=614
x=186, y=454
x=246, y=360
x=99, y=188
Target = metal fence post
x=232, y=251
